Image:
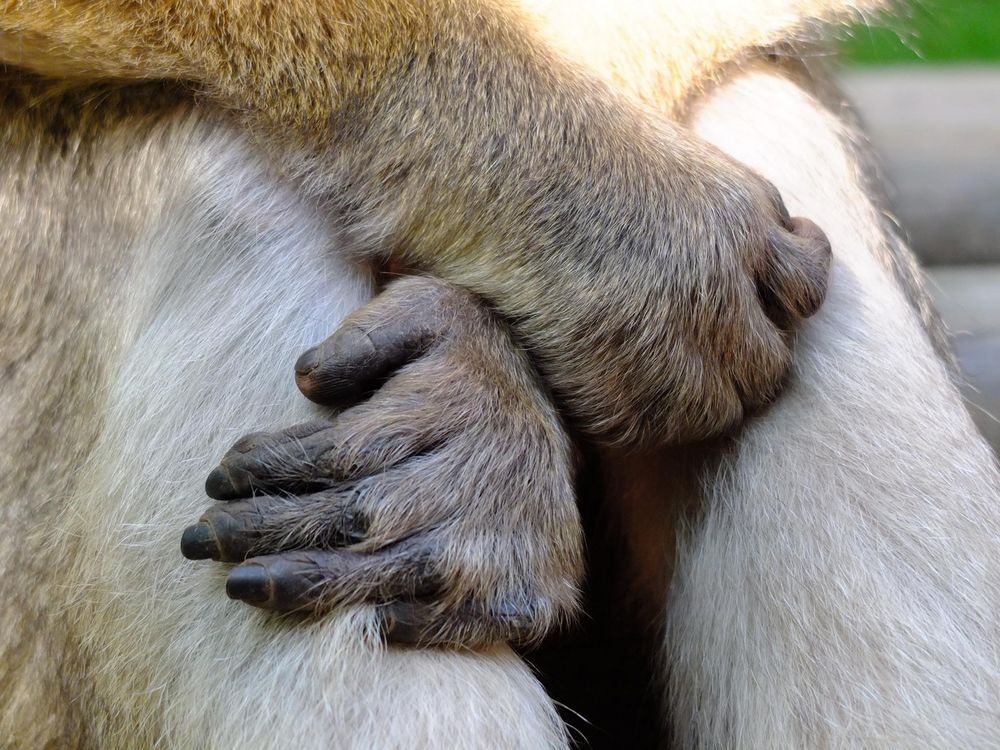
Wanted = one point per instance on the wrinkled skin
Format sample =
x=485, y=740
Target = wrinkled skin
x=446, y=497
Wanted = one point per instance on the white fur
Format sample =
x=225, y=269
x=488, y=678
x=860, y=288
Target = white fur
x=843, y=586
x=236, y=280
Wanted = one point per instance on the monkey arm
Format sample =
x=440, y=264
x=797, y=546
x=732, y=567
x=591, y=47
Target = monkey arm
x=654, y=280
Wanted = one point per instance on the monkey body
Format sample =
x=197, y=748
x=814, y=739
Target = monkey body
x=210, y=271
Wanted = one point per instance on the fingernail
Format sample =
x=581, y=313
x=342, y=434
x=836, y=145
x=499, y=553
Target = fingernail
x=308, y=362
x=222, y=485
x=249, y=583
x=198, y=542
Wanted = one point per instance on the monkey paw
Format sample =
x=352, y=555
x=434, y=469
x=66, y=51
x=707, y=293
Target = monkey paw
x=445, y=497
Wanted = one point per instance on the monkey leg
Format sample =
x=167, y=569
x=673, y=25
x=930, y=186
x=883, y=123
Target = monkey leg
x=160, y=281
x=842, y=585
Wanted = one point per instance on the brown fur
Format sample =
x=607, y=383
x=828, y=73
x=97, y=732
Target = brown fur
x=436, y=131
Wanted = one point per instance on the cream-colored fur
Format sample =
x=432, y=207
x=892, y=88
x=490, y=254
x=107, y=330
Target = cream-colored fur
x=237, y=277
x=241, y=278
x=843, y=586
x=664, y=52
x=239, y=312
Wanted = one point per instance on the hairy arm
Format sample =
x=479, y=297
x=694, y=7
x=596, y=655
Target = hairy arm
x=654, y=280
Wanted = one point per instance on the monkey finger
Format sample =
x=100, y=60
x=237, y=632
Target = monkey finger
x=361, y=354
x=231, y=532
x=317, y=581
x=796, y=273
x=362, y=441
x=243, y=470
x=255, y=440
x=423, y=624
x=395, y=328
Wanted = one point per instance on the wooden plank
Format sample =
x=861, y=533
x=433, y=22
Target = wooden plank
x=937, y=131
x=969, y=300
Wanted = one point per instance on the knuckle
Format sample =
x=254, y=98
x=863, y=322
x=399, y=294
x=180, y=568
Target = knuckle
x=400, y=623
x=351, y=522
x=419, y=286
x=249, y=442
x=776, y=203
x=228, y=481
x=294, y=578
x=809, y=230
x=800, y=274
x=230, y=530
x=440, y=301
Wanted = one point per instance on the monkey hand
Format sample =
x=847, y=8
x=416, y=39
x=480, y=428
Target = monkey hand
x=711, y=339
x=662, y=305
x=655, y=281
x=445, y=499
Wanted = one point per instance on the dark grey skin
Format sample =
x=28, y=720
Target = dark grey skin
x=363, y=507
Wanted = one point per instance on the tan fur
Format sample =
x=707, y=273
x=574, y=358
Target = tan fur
x=199, y=277
x=666, y=53
x=437, y=131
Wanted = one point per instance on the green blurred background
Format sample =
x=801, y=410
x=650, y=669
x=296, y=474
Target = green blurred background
x=931, y=31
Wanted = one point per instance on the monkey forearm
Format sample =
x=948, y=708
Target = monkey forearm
x=303, y=65
x=627, y=255
x=435, y=113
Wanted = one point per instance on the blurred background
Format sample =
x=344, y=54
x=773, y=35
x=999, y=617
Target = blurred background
x=928, y=91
